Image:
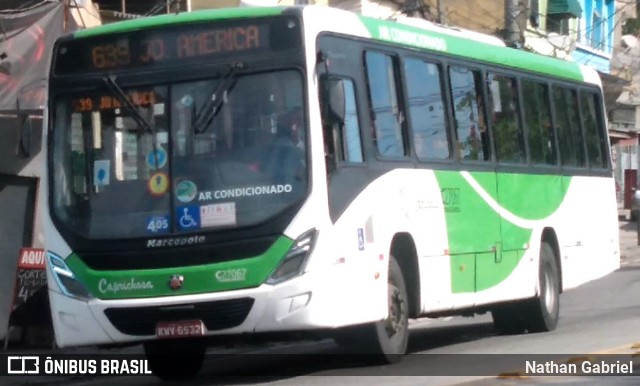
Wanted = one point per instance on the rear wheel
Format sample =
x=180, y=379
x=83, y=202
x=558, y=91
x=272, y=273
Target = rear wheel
x=175, y=359
x=386, y=340
x=539, y=314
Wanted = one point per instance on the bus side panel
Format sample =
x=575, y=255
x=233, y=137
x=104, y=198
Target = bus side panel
x=473, y=229
x=399, y=201
x=588, y=235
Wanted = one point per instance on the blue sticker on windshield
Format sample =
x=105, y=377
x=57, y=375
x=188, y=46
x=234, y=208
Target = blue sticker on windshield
x=186, y=191
x=157, y=156
x=188, y=217
x=158, y=224
x=101, y=171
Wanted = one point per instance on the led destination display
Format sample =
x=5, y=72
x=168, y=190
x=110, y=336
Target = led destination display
x=172, y=47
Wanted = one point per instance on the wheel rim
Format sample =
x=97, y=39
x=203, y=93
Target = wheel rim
x=395, y=322
x=549, y=292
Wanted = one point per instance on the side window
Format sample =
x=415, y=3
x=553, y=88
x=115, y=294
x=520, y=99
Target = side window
x=594, y=129
x=506, y=128
x=341, y=130
x=537, y=113
x=351, y=130
x=568, y=127
x=385, y=108
x=426, y=109
x=472, y=137
x=343, y=137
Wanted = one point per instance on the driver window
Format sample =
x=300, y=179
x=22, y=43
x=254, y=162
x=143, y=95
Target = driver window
x=342, y=141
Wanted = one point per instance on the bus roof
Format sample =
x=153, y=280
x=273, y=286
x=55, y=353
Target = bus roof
x=448, y=41
x=179, y=18
x=434, y=38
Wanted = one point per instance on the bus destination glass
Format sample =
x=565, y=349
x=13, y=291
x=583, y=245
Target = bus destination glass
x=172, y=47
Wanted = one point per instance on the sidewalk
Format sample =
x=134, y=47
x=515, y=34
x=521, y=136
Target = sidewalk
x=629, y=248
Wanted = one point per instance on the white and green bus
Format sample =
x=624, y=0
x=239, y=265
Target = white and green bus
x=248, y=171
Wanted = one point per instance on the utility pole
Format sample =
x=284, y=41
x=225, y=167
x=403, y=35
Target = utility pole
x=511, y=28
x=442, y=19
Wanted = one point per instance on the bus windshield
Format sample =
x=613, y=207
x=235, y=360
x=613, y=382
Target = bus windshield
x=217, y=154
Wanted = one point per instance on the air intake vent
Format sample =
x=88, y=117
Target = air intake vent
x=216, y=315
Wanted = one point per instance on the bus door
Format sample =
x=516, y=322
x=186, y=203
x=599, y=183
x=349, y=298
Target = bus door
x=473, y=225
x=525, y=193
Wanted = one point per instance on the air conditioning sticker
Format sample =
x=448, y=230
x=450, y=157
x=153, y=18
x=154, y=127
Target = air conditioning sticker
x=218, y=214
x=186, y=191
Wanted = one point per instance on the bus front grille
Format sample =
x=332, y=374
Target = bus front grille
x=216, y=315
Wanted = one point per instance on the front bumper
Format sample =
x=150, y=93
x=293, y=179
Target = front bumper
x=311, y=301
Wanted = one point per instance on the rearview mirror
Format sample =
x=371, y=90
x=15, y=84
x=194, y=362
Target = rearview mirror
x=333, y=100
x=24, y=138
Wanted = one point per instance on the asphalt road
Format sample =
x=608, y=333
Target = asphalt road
x=599, y=317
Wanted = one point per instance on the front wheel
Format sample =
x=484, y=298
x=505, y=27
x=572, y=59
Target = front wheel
x=544, y=311
x=385, y=340
x=175, y=359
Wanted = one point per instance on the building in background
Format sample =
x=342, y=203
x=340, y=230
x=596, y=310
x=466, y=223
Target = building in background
x=624, y=109
x=29, y=30
x=595, y=36
x=114, y=10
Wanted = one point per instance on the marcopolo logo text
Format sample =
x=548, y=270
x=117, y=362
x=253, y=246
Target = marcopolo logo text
x=175, y=241
x=132, y=284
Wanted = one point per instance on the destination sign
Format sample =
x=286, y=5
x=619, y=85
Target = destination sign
x=177, y=47
x=110, y=102
x=165, y=47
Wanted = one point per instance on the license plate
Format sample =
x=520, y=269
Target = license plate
x=180, y=329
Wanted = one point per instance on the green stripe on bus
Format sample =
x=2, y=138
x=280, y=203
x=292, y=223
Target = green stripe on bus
x=484, y=247
x=468, y=49
x=181, y=18
x=236, y=274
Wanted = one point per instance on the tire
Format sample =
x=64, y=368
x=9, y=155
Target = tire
x=544, y=311
x=539, y=314
x=175, y=359
x=385, y=341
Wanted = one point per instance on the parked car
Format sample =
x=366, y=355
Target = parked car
x=635, y=204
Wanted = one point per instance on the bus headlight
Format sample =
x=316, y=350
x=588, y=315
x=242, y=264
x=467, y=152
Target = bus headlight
x=295, y=260
x=66, y=280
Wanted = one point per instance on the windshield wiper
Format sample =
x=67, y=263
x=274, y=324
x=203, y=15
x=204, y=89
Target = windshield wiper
x=112, y=85
x=217, y=98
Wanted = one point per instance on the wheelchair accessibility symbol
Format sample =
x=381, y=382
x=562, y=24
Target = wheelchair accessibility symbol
x=188, y=217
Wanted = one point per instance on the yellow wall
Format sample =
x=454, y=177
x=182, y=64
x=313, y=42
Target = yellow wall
x=208, y=4
x=486, y=16
x=204, y=4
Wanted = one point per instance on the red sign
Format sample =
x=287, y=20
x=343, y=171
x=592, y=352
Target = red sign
x=31, y=258
x=30, y=275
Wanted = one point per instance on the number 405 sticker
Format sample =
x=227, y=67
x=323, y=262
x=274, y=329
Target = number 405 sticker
x=158, y=224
